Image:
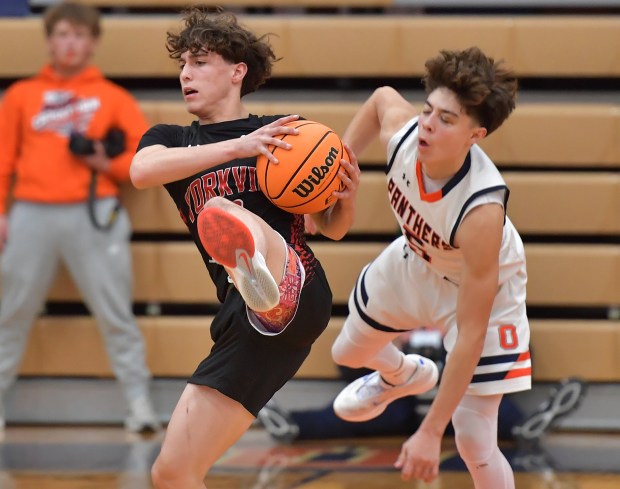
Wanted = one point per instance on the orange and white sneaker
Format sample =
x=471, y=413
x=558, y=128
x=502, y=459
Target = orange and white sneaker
x=367, y=397
x=231, y=244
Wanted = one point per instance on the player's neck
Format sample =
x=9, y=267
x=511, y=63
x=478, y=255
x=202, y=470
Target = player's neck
x=226, y=113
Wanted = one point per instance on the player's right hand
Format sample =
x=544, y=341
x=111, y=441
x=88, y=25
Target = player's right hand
x=263, y=140
x=419, y=457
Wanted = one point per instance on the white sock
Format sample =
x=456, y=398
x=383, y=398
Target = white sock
x=402, y=374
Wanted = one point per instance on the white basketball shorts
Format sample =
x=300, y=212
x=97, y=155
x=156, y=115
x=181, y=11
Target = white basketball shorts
x=398, y=291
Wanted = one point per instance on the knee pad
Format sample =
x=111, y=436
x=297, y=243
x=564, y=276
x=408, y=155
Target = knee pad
x=475, y=434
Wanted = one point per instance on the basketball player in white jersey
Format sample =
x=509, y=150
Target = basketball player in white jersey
x=459, y=265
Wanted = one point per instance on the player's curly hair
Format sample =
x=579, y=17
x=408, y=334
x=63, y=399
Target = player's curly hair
x=485, y=88
x=218, y=31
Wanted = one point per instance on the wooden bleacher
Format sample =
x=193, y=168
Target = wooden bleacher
x=561, y=161
x=582, y=204
x=536, y=134
x=358, y=46
x=176, y=344
x=574, y=203
x=173, y=272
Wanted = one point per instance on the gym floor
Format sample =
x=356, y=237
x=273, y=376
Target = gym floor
x=107, y=457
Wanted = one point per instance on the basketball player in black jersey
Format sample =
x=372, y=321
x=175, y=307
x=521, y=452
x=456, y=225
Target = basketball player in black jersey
x=274, y=294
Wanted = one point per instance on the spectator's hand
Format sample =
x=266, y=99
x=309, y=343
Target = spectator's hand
x=258, y=142
x=98, y=161
x=4, y=231
x=349, y=175
x=419, y=457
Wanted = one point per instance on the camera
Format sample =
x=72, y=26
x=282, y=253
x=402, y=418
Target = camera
x=113, y=143
x=81, y=145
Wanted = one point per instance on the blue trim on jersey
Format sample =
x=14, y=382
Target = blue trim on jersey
x=492, y=360
x=362, y=284
x=458, y=176
x=489, y=377
x=496, y=360
x=470, y=200
x=407, y=134
x=365, y=317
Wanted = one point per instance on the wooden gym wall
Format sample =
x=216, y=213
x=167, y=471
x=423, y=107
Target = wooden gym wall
x=561, y=161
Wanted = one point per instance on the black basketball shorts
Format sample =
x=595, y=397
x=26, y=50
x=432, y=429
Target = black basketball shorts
x=250, y=367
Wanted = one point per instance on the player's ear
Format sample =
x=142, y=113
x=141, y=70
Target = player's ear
x=478, y=134
x=239, y=71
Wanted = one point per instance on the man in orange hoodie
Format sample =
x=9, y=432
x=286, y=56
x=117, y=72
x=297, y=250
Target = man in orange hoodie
x=67, y=136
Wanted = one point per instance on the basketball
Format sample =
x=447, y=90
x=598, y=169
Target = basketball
x=307, y=174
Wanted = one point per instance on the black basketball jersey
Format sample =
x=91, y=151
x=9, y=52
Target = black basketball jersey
x=234, y=180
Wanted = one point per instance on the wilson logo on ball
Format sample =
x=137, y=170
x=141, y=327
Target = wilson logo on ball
x=304, y=180
x=317, y=175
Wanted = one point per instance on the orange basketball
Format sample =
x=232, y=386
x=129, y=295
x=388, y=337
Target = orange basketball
x=307, y=174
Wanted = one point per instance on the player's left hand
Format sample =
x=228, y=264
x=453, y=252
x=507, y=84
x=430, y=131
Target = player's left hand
x=419, y=457
x=349, y=175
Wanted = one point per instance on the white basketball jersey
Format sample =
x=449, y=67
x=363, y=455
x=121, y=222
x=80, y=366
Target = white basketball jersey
x=429, y=221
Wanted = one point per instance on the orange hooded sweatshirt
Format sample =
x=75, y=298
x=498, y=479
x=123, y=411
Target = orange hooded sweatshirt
x=38, y=114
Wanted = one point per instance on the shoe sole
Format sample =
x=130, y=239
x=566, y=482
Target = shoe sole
x=380, y=406
x=230, y=243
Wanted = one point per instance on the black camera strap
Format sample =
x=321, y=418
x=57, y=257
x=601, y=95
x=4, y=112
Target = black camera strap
x=92, y=198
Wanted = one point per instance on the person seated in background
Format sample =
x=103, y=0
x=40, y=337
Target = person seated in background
x=404, y=415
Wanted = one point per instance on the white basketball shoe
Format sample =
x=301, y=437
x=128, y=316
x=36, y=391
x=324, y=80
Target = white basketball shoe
x=368, y=396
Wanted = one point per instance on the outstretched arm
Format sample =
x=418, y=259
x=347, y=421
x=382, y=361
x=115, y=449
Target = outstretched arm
x=157, y=164
x=383, y=114
x=479, y=237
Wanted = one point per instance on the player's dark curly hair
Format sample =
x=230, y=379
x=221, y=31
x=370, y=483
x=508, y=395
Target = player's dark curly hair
x=485, y=88
x=218, y=31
